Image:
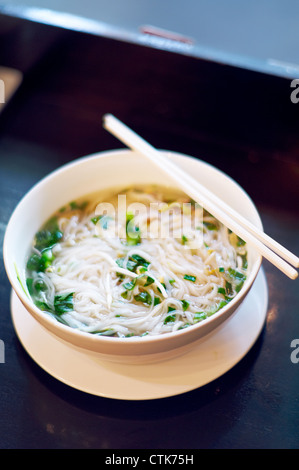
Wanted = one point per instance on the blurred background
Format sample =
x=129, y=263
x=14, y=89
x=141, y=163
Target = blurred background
x=266, y=30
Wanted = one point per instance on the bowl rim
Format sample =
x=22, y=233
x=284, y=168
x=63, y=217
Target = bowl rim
x=76, y=333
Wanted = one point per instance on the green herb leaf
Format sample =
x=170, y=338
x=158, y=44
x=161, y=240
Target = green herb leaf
x=49, y=235
x=29, y=284
x=63, y=303
x=42, y=305
x=33, y=263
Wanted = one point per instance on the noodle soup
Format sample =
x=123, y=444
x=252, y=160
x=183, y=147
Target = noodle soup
x=135, y=262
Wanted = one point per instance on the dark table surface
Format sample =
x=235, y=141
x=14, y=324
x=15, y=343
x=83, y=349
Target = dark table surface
x=241, y=121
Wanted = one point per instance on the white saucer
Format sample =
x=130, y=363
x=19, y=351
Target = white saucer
x=210, y=359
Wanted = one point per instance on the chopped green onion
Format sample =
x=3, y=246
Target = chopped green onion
x=199, y=316
x=104, y=220
x=210, y=226
x=170, y=309
x=133, y=263
x=218, y=306
x=140, y=260
x=244, y=261
x=132, y=231
x=240, y=242
x=75, y=205
x=236, y=274
x=222, y=304
x=95, y=220
x=149, y=281
x=130, y=285
x=184, y=326
x=170, y=319
x=162, y=284
x=228, y=288
x=184, y=239
x=107, y=332
x=239, y=286
x=40, y=262
x=143, y=269
x=190, y=278
x=185, y=304
x=143, y=297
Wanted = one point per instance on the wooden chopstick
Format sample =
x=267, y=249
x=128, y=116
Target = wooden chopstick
x=278, y=255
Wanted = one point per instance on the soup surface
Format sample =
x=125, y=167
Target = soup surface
x=139, y=261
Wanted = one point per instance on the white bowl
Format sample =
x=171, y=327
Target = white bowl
x=99, y=172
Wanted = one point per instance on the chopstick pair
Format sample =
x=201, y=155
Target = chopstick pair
x=278, y=255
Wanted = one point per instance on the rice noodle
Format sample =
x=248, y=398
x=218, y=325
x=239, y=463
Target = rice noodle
x=185, y=272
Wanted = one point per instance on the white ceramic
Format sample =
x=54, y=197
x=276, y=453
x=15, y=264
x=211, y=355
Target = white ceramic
x=100, y=172
x=210, y=358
